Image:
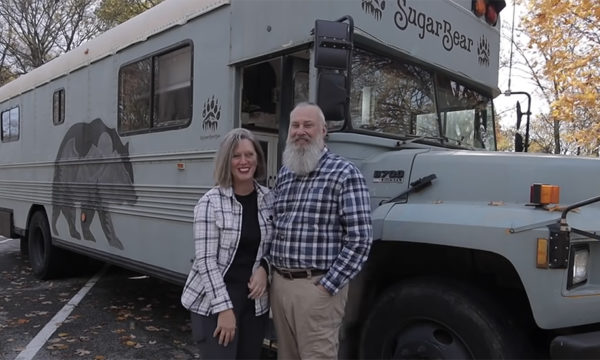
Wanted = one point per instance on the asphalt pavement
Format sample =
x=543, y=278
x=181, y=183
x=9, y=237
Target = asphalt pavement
x=103, y=313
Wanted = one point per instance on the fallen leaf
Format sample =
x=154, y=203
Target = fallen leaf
x=82, y=352
x=57, y=347
x=152, y=328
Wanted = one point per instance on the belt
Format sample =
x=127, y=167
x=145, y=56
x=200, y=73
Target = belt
x=300, y=274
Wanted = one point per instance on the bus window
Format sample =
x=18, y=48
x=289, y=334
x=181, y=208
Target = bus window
x=260, y=95
x=466, y=115
x=388, y=95
x=300, y=87
x=155, y=93
x=10, y=125
x=58, y=107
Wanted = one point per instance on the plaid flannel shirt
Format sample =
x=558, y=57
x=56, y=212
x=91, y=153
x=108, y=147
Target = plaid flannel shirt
x=322, y=221
x=217, y=231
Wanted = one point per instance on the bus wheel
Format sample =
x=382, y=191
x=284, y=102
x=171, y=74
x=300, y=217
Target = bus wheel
x=435, y=319
x=24, y=246
x=45, y=259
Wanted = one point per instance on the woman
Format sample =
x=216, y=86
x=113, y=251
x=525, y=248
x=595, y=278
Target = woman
x=226, y=288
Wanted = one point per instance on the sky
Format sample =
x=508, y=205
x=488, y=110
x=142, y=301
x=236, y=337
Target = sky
x=506, y=105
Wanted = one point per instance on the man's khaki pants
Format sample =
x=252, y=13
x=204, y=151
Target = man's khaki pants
x=307, y=319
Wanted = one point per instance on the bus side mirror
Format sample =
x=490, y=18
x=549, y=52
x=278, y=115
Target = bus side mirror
x=519, y=115
x=333, y=45
x=332, y=95
x=333, y=54
x=518, y=137
x=518, y=142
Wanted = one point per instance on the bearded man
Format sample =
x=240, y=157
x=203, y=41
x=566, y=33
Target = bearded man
x=322, y=237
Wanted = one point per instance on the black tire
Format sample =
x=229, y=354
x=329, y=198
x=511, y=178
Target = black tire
x=438, y=319
x=24, y=246
x=46, y=260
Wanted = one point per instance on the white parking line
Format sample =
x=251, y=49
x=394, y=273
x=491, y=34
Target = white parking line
x=40, y=339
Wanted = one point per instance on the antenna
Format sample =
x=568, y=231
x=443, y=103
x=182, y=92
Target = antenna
x=512, y=39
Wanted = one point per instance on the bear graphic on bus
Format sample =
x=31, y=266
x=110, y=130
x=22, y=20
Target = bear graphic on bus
x=92, y=170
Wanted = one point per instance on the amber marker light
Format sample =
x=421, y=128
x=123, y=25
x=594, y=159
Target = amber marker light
x=544, y=194
x=542, y=253
x=479, y=7
x=490, y=8
x=180, y=166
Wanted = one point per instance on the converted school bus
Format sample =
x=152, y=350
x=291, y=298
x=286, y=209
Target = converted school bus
x=105, y=150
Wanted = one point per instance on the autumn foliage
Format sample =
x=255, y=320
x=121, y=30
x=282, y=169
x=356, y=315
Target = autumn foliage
x=566, y=34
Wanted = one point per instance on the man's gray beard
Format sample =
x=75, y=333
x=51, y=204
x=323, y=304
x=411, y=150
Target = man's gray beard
x=303, y=160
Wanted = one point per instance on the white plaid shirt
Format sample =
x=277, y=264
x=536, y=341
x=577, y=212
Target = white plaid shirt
x=217, y=231
x=322, y=221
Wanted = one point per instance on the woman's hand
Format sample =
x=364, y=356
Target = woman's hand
x=258, y=283
x=225, y=327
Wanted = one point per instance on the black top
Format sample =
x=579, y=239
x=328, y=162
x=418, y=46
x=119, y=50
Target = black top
x=241, y=268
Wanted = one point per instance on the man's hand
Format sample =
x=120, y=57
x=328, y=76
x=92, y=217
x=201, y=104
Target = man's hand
x=258, y=283
x=322, y=288
x=225, y=327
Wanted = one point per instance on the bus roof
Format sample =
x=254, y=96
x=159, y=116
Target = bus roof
x=163, y=16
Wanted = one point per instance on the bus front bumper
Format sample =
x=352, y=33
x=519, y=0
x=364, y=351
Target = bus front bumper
x=576, y=346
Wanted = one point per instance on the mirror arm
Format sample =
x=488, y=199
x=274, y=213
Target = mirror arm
x=528, y=113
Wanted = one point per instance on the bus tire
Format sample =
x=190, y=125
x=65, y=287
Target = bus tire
x=24, y=246
x=45, y=259
x=435, y=319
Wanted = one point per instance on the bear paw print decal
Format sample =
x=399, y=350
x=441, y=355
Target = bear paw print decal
x=211, y=113
x=483, y=52
x=374, y=7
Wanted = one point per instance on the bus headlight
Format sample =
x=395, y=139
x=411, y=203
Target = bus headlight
x=578, y=271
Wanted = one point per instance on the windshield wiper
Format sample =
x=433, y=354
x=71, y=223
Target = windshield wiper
x=416, y=138
x=415, y=186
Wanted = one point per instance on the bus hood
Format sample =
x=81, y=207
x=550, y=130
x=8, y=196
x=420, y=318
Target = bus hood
x=467, y=176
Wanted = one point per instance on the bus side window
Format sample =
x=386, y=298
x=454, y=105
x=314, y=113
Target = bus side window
x=155, y=93
x=58, y=107
x=10, y=124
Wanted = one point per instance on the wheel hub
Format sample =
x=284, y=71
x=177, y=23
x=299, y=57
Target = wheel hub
x=428, y=340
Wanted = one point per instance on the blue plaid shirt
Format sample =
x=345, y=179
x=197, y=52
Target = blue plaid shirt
x=322, y=221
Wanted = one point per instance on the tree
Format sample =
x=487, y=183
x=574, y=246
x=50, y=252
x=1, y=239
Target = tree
x=114, y=12
x=5, y=73
x=565, y=36
x=36, y=31
x=33, y=32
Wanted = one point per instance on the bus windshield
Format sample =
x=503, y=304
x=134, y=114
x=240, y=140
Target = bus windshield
x=398, y=99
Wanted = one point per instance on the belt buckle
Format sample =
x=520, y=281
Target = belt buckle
x=286, y=274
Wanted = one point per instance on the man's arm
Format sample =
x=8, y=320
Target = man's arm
x=355, y=218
